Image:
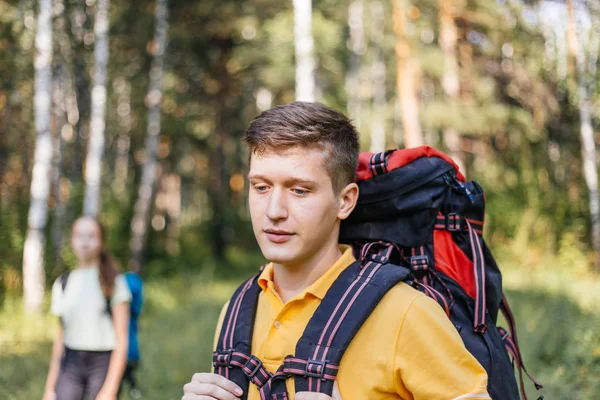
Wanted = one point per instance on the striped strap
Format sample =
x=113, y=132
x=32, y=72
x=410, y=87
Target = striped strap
x=479, y=273
x=511, y=343
x=437, y=296
x=234, y=345
x=379, y=162
x=455, y=223
x=250, y=365
x=345, y=307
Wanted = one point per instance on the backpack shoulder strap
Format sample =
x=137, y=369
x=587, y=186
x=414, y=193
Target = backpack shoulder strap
x=235, y=340
x=356, y=293
x=64, y=278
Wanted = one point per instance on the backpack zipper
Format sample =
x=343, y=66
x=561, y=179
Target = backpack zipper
x=452, y=181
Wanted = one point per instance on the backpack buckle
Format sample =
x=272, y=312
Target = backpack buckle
x=316, y=372
x=453, y=222
x=419, y=263
x=253, y=369
x=419, y=266
x=376, y=258
x=223, y=358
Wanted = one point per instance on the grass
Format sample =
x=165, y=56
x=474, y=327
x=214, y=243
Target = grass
x=557, y=314
x=176, y=335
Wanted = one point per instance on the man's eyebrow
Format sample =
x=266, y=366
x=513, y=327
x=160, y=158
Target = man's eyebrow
x=257, y=176
x=288, y=181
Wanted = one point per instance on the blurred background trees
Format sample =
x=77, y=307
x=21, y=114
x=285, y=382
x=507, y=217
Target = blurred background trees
x=147, y=135
x=134, y=111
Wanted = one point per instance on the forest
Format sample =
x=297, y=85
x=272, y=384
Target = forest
x=134, y=112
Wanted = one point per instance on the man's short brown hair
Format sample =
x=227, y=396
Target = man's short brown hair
x=309, y=125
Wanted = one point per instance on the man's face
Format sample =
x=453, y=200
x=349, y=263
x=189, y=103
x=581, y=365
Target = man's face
x=295, y=213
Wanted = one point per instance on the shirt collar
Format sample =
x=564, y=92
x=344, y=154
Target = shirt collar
x=320, y=287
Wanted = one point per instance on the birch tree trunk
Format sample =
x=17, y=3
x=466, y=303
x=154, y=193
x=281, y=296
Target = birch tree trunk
x=305, y=64
x=378, y=72
x=33, y=255
x=139, y=224
x=450, y=81
x=588, y=145
x=407, y=70
x=356, y=45
x=95, y=153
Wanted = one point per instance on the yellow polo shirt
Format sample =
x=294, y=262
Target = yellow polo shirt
x=407, y=349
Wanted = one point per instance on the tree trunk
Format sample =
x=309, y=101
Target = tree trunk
x=139, y=224
x=357, y=50
x=80, y=26
x=95, y=154
x=450, y=81
x=407, y=71
x=122, y=88
x=588, y=146
x=378, y=72
x=172, y=188
x=305, y=64
x=33, y=256
x=63, y=114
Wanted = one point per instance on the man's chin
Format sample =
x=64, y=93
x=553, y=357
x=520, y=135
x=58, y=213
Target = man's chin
x=278, y=259
x=278, y=256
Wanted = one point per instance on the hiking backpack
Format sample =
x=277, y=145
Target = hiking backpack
x=416, y=221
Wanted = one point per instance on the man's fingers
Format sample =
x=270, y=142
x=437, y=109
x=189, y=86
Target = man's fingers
x=217, y=380
x=320, y=396
x=311, y=396
x=336, y=392
x=191, y=396
x=209, y=390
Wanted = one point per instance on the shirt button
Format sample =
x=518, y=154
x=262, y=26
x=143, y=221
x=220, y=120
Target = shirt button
x=277, y=324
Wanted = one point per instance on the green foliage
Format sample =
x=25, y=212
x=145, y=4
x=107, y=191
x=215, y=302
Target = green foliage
x=557, y=333
x=560, y=344
x=176, y=335
x=517, y=114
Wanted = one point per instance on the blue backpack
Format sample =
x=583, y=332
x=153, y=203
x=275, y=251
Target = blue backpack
x=135, y=284
x=417, y=221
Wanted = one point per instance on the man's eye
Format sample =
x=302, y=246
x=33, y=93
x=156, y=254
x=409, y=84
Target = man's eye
x=260, y=188
x=300, y=192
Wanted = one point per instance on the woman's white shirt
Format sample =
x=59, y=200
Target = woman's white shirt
x=82, y=307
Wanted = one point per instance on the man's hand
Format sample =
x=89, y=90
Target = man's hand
x=320, y=396
x=205, y=386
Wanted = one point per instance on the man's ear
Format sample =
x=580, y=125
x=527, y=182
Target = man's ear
x=347, y=200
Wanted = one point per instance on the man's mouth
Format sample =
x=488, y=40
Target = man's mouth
x=277, y=235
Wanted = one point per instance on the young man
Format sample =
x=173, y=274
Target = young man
x=302, y=171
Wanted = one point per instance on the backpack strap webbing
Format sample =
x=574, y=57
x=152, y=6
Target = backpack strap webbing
x=346, y=306
x=232, y=358
x=456, y=223
x=512, y=346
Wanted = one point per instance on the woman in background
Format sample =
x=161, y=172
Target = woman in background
x=89, y=353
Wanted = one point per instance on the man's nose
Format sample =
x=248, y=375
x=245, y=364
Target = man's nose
x=277, y=208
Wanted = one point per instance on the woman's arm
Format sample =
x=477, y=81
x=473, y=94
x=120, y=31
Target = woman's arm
x=58, y=348
x=118, y=358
